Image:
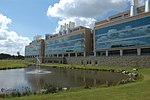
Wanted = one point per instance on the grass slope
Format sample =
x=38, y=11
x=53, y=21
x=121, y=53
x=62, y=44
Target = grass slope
x=13, y=63
x=133, y=91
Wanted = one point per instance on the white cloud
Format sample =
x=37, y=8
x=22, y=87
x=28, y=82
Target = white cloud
x=10, y=41
x=85, y=8
x=84, y=12
x=4, y=21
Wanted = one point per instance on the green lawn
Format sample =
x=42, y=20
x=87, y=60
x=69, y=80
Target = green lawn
x=139, y=90
x=13, y=63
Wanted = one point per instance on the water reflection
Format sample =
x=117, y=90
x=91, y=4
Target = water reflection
x=16, y=78
x=13, y=79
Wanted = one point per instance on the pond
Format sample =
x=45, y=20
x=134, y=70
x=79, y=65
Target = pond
x=61, y=77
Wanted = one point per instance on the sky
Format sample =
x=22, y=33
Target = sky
x=21, y=20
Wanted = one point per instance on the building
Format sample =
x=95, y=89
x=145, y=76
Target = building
x=120, y=40
x=75, y=42
x=126, y=33
x=35, y=49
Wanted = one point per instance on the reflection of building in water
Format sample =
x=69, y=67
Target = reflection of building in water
x=123, y=34
x=72, y=78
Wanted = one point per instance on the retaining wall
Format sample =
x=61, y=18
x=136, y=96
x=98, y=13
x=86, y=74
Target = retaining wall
x=125, y=61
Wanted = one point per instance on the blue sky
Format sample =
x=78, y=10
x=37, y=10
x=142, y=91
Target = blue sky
x=29, y=16
x=21, y=20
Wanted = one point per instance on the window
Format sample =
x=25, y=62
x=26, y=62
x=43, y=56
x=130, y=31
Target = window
x=74, y=43
x=101, y=53
x=72, y=54
x=145, y=51
x=96, y=63
x=80, y=54
x=133, y=37
x=66, y=55
x=130, y=52
x=133, y=23
x=114, y=52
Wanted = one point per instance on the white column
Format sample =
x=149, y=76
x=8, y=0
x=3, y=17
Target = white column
x=94, y=53
x=106, y=52
x=84, y=54
x=139, y=51
x=76, y=54
x=68, y=54
x=62, y=55
x=57, y=55
x=121, y=52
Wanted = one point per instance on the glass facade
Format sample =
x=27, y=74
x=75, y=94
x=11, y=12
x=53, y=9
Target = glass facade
x=73, y=43
x=127, y=34
x=33, y=49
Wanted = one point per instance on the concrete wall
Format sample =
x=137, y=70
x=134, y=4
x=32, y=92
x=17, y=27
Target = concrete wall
x=125, y=61
x=55, y=60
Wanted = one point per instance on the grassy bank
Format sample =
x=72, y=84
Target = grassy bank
x=87, y=66
x=139, y=90
x=6, y=64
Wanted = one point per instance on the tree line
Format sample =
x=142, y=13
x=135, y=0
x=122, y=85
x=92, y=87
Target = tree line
x=8, y=56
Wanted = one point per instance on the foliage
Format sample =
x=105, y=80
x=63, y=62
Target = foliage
x=26, y=91
x=9, y=93
x=50, y=89
x=8, y=56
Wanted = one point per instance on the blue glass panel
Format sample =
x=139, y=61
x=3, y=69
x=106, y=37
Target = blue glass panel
x=33, y=49
x=144, y=41
x=73, y=43
x=140, y=31
x=121, y=26
x=132, y=37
